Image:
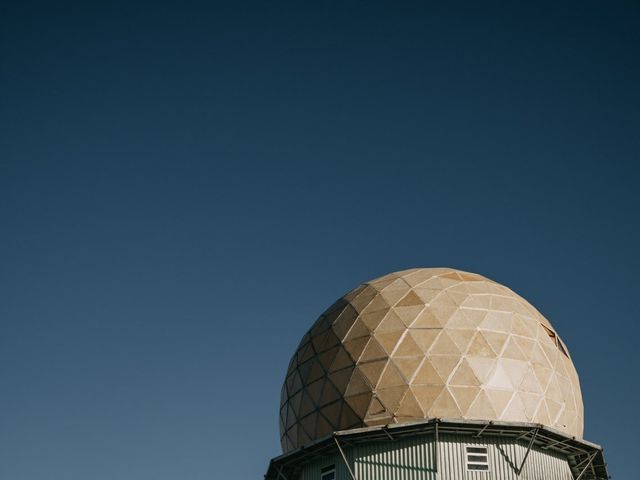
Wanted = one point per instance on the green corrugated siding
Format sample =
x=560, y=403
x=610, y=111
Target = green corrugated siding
x=413, y=459
x=311, y=471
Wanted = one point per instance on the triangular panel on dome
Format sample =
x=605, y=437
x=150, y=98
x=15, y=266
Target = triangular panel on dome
x=479, y=347
x=314, y=390
x=512, y=350
x=372, y=319
x=482, y=367
x=497, y=321
x=527, y=345
x=323, y=427
x=377, y=304
x=291, y=417
x=424, y=337
x=499, y=379
x=419, y=276
x=461, y=337
x=344, y=322
x=391, y=377
x=308, y=425
x=292, y=433
x=358, y=383
x=371, y=372
x=464, y=397
x=408, y=315
x=332, y=413
x=408, y=366
x=427, y=293
x=444, y=364
x=327, y=357
x=303, y=436
x=294, y=401
x=380, y=283
x=445, y=406
x=358, y=330
x=353, y=294
x=375, y=407
x=531, y=402
x=499, y=399
x=329, y=394
x=391, y=396
x=426, y=395
x=359, y=403
x=304, y=353
x=410, y=299
x=482, y=407
x=530, y=383
x=443, y=345
x=294, y=383
x=426, y=319
x=340, y=378
x=538, y=356
x=516, y=370
x=341, y=360
x=515, y=411
x=390, y=323
x=373, y=351
x=443, y=312
x=395, y=291
x=355, y=347
x=315, y=372
x=409, y=406
x=388, y=340
x=364, y=298
x=523, y=327
x=463, y=375
x=407, y=347
x=555, y=409
x=427, y=374
x=348, y=418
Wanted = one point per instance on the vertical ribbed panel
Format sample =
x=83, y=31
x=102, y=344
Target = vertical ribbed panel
x=413, y=459
x=311, y=471
x=505, y=456
x=407, y=459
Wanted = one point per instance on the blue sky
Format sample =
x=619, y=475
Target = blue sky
x=185, y=186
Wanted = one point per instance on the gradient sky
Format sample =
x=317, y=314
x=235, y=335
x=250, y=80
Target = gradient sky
x=185, y=186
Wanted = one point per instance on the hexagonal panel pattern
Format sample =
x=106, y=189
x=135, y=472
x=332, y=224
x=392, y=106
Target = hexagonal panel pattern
x=427, y=343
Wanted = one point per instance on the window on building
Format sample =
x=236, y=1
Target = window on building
x=328, y=473
x=477, y=458
x=562, y=348
x=550, y=332
x=556, y=339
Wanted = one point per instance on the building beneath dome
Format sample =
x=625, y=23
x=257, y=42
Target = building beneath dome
x=433, y=373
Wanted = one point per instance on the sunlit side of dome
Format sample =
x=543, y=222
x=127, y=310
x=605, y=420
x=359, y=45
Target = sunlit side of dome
x=428, y=343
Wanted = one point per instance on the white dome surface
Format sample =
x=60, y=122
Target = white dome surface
x=427, y=343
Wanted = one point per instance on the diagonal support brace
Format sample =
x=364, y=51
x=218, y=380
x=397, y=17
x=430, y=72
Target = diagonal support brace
x=591, y=458
x=280, y=474
x=344, y=458
x=533, y=438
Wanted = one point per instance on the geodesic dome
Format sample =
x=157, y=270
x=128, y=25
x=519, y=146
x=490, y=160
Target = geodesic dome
x=427, y=343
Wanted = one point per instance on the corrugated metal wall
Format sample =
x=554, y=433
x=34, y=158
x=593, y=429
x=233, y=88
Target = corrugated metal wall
x=413, y=459
x=505, y=457
x=311, y=471
x=407, y=459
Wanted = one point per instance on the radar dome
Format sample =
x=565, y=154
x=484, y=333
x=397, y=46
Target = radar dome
x=428, y=343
